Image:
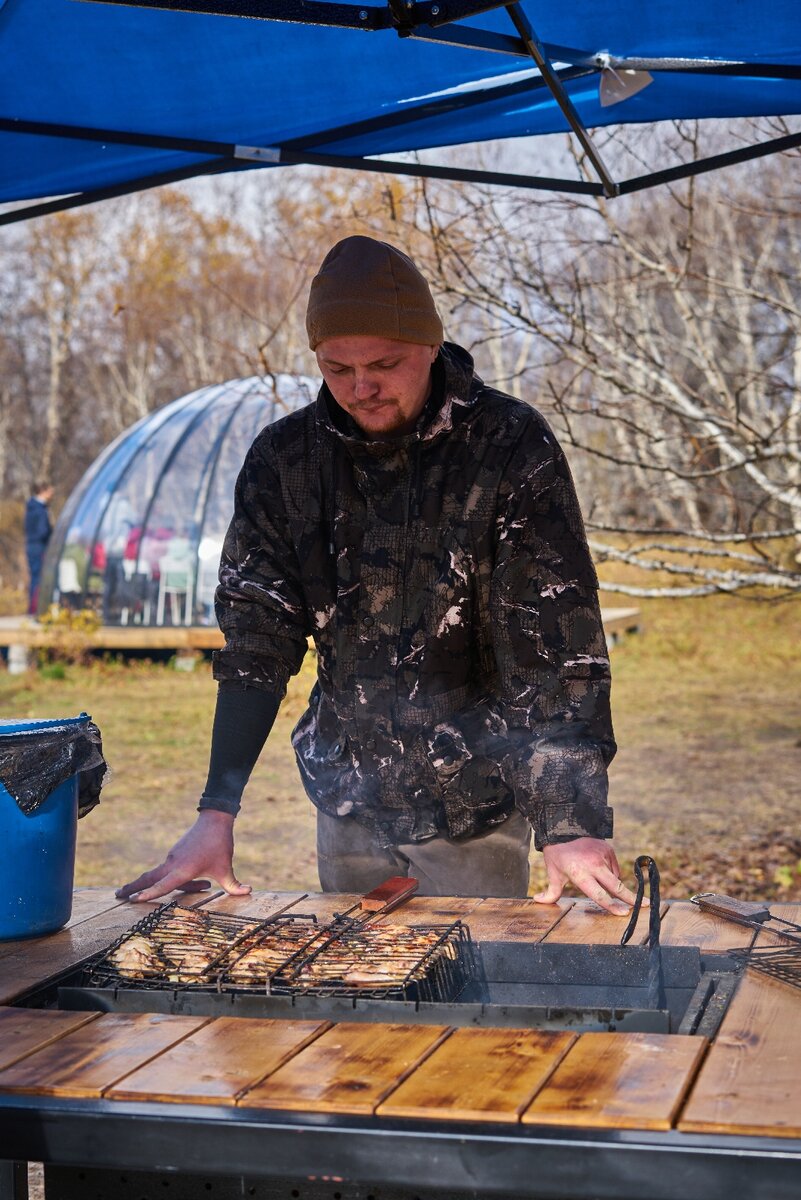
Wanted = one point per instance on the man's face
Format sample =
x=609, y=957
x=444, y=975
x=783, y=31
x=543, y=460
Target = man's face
x=381, y=383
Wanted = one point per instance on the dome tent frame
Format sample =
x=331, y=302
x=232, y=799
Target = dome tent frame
x=139, y=538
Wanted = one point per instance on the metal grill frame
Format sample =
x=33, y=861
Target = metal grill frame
x=435, y=977
x=444, y=978
x=782, y=963
x=99, y=973
x=469, y=1159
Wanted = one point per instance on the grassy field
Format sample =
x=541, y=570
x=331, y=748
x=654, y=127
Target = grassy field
x=707, y=703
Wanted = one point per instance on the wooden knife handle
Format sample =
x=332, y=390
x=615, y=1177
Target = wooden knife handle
x=736, y=910
x=389, y=894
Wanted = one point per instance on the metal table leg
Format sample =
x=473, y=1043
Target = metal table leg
x=13, y=1180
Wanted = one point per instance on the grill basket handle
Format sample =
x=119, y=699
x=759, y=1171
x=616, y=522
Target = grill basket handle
x=734, y=910
x=389, y=895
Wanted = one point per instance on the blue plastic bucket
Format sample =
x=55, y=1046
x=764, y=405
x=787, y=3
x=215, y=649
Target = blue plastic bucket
x=38, y=851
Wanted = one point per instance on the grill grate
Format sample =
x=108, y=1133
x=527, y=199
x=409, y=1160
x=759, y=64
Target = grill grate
x=184, y=947
x=418, y=962
x=190, y=949
x=783, y=964
x=781, y=961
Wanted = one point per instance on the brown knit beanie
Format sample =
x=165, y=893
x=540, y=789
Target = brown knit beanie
x=369, y=287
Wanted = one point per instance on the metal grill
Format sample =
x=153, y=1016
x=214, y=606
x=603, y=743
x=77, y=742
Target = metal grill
x=420, y=962
x=783, y=964
x=780, y=961
x=189, y=949
x=175, y=946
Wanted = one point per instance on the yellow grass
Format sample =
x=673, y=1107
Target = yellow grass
x=707, y=704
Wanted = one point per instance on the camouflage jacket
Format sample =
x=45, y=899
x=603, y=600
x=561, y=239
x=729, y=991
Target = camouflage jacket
x=447, y=584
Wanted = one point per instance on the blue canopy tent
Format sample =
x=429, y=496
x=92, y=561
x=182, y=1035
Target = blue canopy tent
x=100, y=99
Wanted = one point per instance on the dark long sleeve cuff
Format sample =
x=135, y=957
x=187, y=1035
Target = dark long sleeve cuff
x=242, y=722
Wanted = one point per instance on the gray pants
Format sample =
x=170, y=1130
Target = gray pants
x=494, y=863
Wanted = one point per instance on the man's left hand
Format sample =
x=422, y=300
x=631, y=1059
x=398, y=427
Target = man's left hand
x=590, y=864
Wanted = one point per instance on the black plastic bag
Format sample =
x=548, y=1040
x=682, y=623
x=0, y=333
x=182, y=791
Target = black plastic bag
x=34, y=762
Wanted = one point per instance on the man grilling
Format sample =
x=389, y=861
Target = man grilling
x=423, y=529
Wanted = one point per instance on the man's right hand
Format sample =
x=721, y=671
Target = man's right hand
x=205, y=849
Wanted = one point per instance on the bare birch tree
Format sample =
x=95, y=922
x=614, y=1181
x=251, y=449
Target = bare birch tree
x=659, y=332
x=662, y=335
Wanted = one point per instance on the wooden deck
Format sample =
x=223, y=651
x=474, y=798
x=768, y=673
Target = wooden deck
x=27, y=634
x=745, y=1083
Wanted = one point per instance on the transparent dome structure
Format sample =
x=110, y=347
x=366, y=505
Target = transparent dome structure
x=139, y=539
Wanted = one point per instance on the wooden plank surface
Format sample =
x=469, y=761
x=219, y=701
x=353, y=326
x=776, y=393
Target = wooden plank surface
x=326, y=906
x=36, y=960
x=750, y=1082
x=419, y=910
x=587, y=924
x=685, y=924
x=790, y=912
x=96, y=1055
x=479, y=1075
x=349, y=1069
x=23, y=1030
x=505, y=920
x=259, y=904
x=433, y=910
x=218, y=1062
x=770, y=936
x=89, y=902
x=86, y=903
x=619, y=1081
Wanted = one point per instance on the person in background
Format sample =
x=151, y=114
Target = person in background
x=37, y=534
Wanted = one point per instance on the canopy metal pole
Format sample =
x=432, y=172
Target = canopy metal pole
x=27, y=212
x=274, y=156
x=237, y=158
x=714, y=162
x=370, y=17
x=228, y=157
x=537, y=52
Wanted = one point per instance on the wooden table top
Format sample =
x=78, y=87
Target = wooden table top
x=746, y=1082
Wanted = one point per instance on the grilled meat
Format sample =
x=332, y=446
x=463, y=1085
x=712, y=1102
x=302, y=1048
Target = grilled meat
x=136, y=958
x=374, y=957
x=187, y=945
x=265, y=953
x=189, y=942
x=180, y=947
